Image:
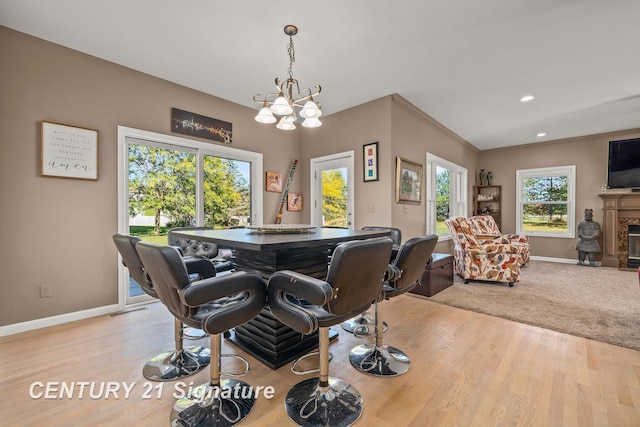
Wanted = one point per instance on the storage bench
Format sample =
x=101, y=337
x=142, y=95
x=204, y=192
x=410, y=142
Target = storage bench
x=438, y=275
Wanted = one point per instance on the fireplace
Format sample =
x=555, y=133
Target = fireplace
x=633, y=256
x=620, y=217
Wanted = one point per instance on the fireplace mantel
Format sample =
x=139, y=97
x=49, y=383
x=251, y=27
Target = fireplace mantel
x=616, y=206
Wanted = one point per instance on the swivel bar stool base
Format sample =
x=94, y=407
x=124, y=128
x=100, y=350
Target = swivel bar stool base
x=309, y=404
x=362, y=326
x=172, y=365
x=382, y=361
x=178, y=363
x=334, y=403
x=379, y=359
x=208, y=405
x=221, y=401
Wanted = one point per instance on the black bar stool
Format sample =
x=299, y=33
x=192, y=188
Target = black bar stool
x=215, y=305
x=306, y=304
x=380, y=359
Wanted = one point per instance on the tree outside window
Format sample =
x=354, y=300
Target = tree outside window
x=162, y=183
x=334, y=197
x=443, y=198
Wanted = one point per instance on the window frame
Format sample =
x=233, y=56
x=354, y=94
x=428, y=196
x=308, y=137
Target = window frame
x=459, y=191
x=568, y=171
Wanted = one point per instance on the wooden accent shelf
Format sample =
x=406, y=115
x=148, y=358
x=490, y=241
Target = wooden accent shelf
x=617, y=207
x=491, y=197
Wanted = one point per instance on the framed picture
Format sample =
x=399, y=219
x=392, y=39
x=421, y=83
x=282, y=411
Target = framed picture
x=274, y=181
x=294, y=202
x=193, y=124
x=69, y=151
x=370, y=161
x=408, y=181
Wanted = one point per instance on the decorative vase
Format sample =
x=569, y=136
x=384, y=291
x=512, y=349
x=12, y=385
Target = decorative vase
x=489, y=176
x=482, y=176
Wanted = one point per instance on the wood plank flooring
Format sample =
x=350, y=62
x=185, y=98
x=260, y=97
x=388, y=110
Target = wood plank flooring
x=468, y=369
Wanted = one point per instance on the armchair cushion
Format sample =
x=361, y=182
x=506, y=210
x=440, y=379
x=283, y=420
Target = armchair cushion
x=485, y=226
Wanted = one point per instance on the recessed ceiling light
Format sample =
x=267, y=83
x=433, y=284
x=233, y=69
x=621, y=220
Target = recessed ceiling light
x=526, y=98
x=541, y=134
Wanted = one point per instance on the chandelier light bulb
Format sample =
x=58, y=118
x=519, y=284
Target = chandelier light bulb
x=281, y=107
x=265, y=116
x=286, y=123
x=312, y=122
x=310, y=110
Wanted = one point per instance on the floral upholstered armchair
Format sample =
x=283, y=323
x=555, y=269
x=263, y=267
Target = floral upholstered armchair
x=484, y=227
x=482, y=259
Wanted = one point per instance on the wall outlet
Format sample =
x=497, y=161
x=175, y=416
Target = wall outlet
x=371, y=208
x=45, y=291
x=570, y=247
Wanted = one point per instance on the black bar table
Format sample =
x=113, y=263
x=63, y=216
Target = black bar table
x=264, y=251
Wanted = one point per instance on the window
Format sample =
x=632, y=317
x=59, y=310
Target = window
x=446, y=193
x=546, y=201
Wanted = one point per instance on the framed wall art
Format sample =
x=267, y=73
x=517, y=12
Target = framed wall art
x=193, y=124
x=370, y=161
x=408, y=181
x=68, y=151
x=294, y=202
x=274, y=182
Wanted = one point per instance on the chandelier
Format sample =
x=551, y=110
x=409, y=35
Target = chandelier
x=288, y=97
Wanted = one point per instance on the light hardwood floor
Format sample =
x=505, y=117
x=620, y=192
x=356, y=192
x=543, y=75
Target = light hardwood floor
x=468, y=369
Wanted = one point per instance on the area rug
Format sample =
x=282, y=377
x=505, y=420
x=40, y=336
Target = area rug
x=593, y=302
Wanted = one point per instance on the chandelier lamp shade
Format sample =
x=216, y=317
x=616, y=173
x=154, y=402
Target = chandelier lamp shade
x=289, y=98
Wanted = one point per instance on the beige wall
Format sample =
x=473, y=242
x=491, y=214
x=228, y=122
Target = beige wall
x=588, y=153
x=58, y=231
x=350, y=130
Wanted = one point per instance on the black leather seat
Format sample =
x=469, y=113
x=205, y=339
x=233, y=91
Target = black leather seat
x=215, y=304
x=363, y=325
x=221, y=259
x=405, y=273
x=181, y=361
x=353, y=282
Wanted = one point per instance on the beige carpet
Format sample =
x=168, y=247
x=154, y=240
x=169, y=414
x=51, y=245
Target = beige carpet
x=593, y=302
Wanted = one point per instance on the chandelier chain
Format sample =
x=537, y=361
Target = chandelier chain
x=292, y=56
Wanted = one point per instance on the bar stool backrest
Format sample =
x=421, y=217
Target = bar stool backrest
x=356, y=273
x=412, y=260
x=126, y=246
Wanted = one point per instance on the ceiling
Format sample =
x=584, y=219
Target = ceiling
x=465, y=63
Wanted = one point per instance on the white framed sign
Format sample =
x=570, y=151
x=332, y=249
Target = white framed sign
x=69, y=151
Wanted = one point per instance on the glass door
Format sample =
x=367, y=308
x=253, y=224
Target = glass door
x=166, y=181
x=332, y=190
x=162, y=195
x=227, y=192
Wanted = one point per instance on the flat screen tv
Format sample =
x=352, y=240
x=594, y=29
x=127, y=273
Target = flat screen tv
x=624, y=164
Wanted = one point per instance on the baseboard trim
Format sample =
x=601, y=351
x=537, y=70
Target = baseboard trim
x=549, y=259
x=31, y=325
